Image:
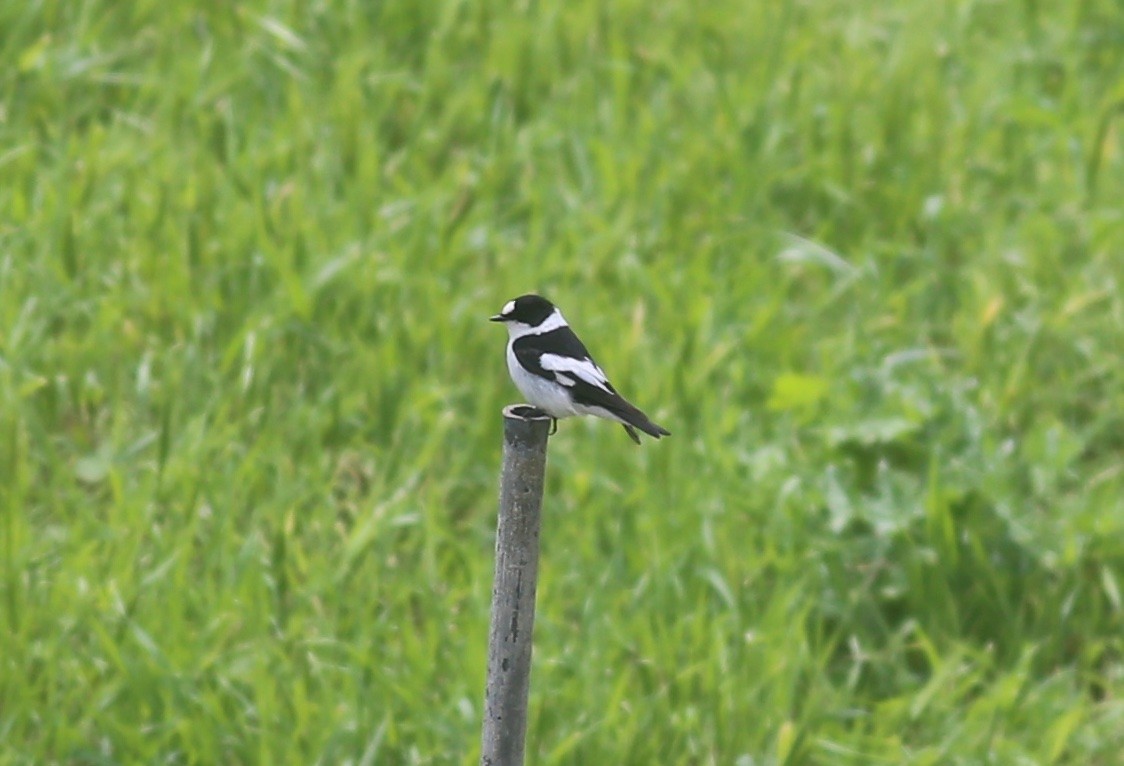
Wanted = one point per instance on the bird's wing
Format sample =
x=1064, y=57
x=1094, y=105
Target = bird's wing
x=568, y=363
x=570, y=371
x=559, y=355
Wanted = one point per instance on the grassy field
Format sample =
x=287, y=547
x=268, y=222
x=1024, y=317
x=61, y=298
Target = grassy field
x=864, y=260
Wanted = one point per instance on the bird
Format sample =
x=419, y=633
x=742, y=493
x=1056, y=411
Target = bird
x=552, y=368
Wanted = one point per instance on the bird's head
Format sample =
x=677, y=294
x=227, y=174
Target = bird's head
x=526, y=313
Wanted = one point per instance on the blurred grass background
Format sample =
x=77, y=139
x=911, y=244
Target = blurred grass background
x=864, y=260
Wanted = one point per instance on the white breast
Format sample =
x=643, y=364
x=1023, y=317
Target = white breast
x=549, y=397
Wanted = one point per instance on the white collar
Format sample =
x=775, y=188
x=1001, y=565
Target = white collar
x=553, y=322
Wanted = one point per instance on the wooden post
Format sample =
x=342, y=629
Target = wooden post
x=513, y=589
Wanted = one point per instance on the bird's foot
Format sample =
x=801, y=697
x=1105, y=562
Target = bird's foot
x=553, y=427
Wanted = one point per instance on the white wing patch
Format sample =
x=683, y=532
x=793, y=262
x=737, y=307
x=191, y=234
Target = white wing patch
x=582, y=368
x=565, y=380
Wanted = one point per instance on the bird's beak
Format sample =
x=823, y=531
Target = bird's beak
x=496, y=318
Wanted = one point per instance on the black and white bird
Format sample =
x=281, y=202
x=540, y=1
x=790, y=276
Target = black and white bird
x=552, y=368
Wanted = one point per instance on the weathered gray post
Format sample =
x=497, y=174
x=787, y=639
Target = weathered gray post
x=513, y=589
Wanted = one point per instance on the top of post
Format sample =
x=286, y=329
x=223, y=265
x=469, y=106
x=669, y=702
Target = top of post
x=525, y=424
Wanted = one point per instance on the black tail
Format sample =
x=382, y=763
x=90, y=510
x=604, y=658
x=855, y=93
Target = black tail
x=607, y=399
x=632, y=416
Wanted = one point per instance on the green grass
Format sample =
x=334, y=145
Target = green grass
x=864, y=260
